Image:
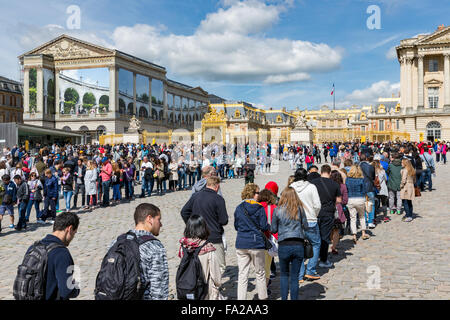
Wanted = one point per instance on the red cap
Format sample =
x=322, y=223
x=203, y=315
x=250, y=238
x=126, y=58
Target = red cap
x=272, y=186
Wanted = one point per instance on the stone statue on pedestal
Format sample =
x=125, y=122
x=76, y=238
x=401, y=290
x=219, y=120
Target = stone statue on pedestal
x=135, y=125
x=301, y=121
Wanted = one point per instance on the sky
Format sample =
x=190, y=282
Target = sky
x=272, y=53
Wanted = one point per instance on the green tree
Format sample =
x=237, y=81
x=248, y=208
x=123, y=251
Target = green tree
x=33, y=78
x=88, y=100
x=104, y=103
x=71, y=98
x=51, y=96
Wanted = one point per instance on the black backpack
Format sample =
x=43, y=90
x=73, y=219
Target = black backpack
x=119, y=277
x=190, y=281
x=31, y=276
x=148, y=174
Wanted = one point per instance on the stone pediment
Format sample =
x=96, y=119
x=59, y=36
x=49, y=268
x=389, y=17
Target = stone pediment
x=439, y=37
x=65, y=47
x=434, y=81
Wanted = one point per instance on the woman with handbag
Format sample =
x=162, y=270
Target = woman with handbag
x=356, y=200
x=289, y=220
x=268, y=201
x=311, y=204
x=407, y=193
x=250, y=222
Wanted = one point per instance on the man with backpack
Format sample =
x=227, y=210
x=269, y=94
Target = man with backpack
x=47, y=270
x=147, y=180
x=9, y=198
x=136, y=267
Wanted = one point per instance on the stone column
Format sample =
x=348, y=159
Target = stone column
x=113, y=90
x=150, y=98
x=420, y=102
x=39, y=91
x=57, y=96
x=409, y=63
x=134, y=95
x=26, y=90
x=447, y=80
x=164, y=102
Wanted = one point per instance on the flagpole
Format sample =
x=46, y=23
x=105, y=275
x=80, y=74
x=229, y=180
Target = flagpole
x=334, y=97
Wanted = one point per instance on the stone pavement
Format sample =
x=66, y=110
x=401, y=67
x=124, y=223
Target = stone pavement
x=411, y=259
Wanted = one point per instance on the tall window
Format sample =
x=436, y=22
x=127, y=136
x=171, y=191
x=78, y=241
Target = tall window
x=433, y=97
x=381, y=125
x=398, y=124
x=433, y=65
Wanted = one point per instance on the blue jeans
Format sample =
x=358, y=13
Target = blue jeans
x=192, y=176
x=117, y=195
x=181, y=178
x=426, y=177
x=371, y=215
x=313, y=235
x=36, y=206
x=147, y=186
x=67, y=198
x=105, y=191
x=444, y=158
x=407, y=204
x=291, y=257
x=129, y=189
x=164, y=184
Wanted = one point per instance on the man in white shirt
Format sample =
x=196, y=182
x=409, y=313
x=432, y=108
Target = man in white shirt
x=147, y=180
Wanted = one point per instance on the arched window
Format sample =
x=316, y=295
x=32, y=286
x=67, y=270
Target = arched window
x=433, y=131
x=154, y=114
x=66, y=128
x=130, y=109
x=161, y=115
x=143, y=112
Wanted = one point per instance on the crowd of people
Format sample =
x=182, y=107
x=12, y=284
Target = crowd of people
x=364, y=184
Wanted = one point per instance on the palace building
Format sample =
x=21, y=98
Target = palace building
x=172, y=111
x=135, y=88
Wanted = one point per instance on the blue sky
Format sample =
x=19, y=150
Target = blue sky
x=273, y=53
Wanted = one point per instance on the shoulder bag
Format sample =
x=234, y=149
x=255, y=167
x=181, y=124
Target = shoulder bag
x=307, y=246
x=267, y=244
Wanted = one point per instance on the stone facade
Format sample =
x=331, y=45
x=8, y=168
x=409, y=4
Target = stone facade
x=11, y=102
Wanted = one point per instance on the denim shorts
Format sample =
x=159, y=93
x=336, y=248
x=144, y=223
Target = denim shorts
x=4, y=208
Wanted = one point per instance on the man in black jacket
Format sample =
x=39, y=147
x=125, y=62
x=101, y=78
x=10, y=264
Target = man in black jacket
x=61, y=283
x=211, y=206
x=79, y=173
x=369, y=179
x=23, y=196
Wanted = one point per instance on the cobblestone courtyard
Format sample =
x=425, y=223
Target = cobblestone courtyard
x=413, y=259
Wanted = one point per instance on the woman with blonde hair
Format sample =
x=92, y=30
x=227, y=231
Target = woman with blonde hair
x=356, y=200
x=90, y=181
x=289, y=220
x=250, y=222
x=115, y=179
x=407, y=193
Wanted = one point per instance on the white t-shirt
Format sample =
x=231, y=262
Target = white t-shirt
x=146, y=165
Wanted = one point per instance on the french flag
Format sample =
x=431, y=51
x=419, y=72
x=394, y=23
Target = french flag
x=332, y=91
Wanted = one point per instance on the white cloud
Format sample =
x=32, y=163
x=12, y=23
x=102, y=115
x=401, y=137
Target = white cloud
x=228, y=45
x=370, y=95
x=391, y=54
x=273, y=79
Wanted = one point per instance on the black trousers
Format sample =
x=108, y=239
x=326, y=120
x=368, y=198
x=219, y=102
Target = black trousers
x=326, y=223
x=49, y=202
x=79, y=188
